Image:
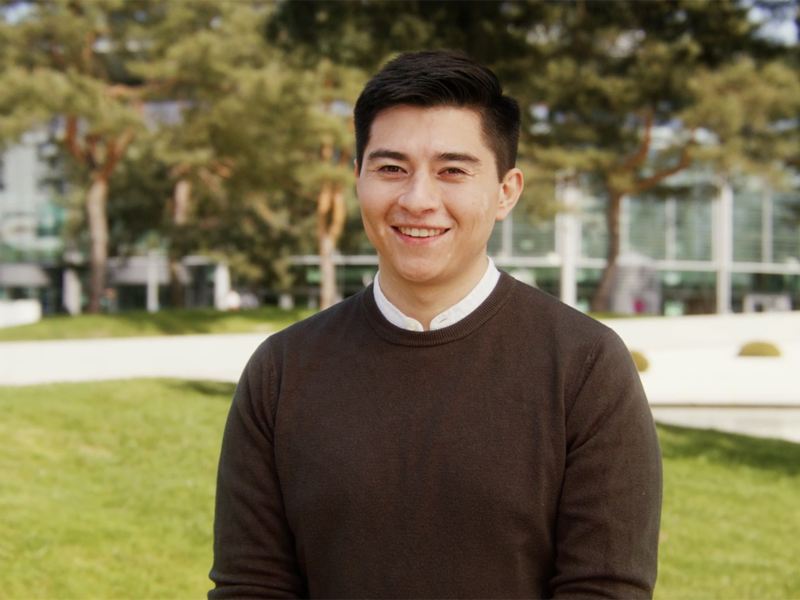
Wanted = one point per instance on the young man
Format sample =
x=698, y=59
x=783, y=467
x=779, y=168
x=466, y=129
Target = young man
x=449, y=431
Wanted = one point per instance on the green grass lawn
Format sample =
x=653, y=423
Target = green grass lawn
x=164, y=322
x=107, y=492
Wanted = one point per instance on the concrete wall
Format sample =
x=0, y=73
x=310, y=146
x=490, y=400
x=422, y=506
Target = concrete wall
x=19, y=312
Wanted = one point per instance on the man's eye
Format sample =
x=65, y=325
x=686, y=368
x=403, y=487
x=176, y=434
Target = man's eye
x=453, y=171
x=390, y=169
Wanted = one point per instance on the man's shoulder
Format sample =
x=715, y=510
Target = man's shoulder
x=334, y=320
x=540, y=321
x=303, y=340
x=537, y=308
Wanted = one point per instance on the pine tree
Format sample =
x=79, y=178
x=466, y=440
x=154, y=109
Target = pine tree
x=66, y=59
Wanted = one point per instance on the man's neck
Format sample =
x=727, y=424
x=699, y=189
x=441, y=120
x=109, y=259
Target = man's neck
x=425, y=301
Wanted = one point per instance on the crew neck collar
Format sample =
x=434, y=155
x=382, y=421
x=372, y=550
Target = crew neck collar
x=447, y=317
x=397, y=335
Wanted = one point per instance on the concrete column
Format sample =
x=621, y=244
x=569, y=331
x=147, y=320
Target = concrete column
x=152, y=281
x=671, y=218
x=71, y=292
x=222, y=285
x=625, y=226
x=568, y=238
x=723, y=245
x=766, y=226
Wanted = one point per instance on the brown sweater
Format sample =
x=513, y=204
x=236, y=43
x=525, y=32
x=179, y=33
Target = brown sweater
x=512, y=454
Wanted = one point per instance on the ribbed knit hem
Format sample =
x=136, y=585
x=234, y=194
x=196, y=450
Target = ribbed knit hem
x=461, y=329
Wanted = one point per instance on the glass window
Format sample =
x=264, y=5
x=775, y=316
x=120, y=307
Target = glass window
x=693, y=235
x=747, y=215
x=786, y=227
x=535, y=238
x=594, y=233
x=647, y=225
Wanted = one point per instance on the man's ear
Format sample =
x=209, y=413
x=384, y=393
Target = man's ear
x=510, y=190
x=356, y=170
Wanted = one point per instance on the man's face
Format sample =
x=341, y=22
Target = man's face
x=430, y=195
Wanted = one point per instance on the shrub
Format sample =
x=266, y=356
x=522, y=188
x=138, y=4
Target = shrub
x=640, y=360
x=759, y=349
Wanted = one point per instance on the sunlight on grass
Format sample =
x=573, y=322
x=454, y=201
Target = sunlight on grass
x=165, y=322
x=730, y=523
x=108, y=488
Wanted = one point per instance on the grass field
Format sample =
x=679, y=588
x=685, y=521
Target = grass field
x=107, y=492
x=164, y=322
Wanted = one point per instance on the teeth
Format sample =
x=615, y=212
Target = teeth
x=419, y=232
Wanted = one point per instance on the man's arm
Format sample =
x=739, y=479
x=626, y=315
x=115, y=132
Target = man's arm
x=253, y=544
x=610, y=506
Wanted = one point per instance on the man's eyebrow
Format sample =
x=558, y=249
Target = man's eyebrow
x=443, y=156
x=459, y=157
x=383, y=153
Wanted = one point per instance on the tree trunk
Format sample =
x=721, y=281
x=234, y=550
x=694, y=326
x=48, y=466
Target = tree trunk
x=182, y=196
x=177, y=290
x=602, y=296
x=330, y=223
x=327, y=289
x=98, y=235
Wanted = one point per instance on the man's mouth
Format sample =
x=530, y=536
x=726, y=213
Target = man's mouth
x=420, y=232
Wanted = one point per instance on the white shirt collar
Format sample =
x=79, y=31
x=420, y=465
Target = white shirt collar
x=444, y=319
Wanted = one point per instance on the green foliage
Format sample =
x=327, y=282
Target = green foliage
x=248, y=138
x=61, y=60
x=640, y=360
x=108, y=493
x=760, y=348
x=139, y=192
x=748, y=109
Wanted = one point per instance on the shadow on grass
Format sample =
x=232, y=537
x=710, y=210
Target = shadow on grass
x=730, y=449
x=168, y=321
x=200, y=320
x=221, y=390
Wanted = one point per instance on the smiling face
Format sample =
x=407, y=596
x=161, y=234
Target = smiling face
x=430, y=195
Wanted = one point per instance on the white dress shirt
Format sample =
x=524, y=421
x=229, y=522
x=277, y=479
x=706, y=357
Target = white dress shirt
x=446, y=318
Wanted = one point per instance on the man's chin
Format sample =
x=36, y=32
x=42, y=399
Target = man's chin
x=419, y=276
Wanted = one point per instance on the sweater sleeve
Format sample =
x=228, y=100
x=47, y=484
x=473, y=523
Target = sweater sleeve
x=610, y=505
x=253, y=544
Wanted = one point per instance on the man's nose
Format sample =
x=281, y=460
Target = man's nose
x=421, y=195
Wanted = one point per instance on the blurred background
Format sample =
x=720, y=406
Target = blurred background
x=166, y=154
x=176, y=183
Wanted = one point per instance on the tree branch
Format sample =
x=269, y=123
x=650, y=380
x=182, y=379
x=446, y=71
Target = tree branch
x=222, y=168
x=91, y=150
x=86, y=52
x=115, y=150
x=636, y=159
x=650, y=182
x=71, y=139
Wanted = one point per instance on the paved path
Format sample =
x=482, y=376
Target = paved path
x=695, y=377
x=216, y=357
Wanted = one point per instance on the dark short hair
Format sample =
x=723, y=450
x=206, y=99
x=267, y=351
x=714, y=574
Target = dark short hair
x=442, y=78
